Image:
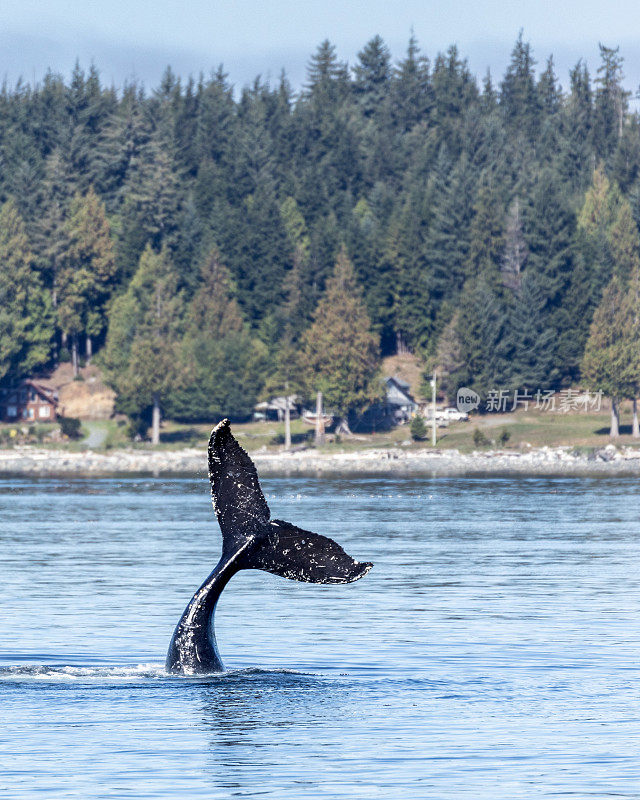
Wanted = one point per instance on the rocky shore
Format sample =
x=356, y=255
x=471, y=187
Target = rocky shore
x=608, y=460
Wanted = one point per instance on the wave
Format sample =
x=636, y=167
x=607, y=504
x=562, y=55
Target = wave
x=137, y=672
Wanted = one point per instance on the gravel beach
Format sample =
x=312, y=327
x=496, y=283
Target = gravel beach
x=547, y=460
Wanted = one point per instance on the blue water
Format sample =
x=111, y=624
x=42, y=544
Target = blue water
x=493, y=651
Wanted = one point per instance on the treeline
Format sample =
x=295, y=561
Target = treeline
x=209, y=247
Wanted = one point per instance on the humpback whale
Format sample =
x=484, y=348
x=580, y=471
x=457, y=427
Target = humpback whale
x=250, y=540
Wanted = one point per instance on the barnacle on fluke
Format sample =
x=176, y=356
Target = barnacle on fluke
x=250, y=540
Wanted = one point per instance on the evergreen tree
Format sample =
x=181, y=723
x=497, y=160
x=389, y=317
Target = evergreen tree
x=448, y=360
x=223, y=364
x=594, y=225
x=482, y=348
x=26, y=321
x=548, y=91
x=575, y=152
x=49, y=232
x=411, y=91
x=486, y=243
x=530, y=358
x=610, y=101
x=85, y=280
x=605, y=362
x=518, y=94
x=624, y=243
x=550, y=235
x=447, y=245
x=324, y=69
x=141, y=353
x=372, y=76
x=340, y=352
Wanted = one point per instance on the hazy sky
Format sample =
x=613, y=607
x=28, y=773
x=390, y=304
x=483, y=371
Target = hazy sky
x=131, y=38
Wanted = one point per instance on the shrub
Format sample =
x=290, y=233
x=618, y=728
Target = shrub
x=479, y=439
x=40, y=433
x=137, y=427
x=418, y=429
x=70, y=426
x=64, y=356
x=504, y=437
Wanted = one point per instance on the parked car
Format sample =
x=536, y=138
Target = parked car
x=453, y=415
x=446, y=415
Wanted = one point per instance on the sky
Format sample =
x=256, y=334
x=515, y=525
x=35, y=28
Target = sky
x=129, y=39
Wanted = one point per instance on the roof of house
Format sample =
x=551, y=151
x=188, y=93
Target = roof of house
x=45, y=392
x=402, y=389
x=404, y=385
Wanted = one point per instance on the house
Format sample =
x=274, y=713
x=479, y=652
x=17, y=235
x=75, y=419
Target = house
x=397, y=407
x=29, y=401
x=400, y=404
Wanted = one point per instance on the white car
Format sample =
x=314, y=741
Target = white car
x=453, y=415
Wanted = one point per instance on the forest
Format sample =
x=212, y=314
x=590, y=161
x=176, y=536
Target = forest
x=207, y=245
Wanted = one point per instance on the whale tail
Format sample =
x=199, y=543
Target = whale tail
x=276, y=546
x=250, y=540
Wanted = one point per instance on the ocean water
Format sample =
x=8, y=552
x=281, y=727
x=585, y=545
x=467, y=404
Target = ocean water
x=493, y=651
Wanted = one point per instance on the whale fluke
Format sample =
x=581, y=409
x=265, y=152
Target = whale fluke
x=235, y=490
x=304, y=556
x=250, y=540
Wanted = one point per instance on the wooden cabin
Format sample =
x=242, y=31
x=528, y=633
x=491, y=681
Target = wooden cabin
x=28, y=401
x=400, y=404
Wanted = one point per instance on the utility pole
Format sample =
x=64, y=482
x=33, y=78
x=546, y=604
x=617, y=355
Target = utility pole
x=433, y=410
x=319, y=421
x=287, y=418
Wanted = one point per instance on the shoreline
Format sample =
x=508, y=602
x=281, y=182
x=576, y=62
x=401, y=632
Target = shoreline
x=608, y=460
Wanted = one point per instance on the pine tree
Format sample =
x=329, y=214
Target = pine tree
x=141, y=352
x=224, y=365
x=448, y=360
x=624, y=243
x=530, y=357
x=482, y=347
x=216, y=124
x=518, y=94
x=411, y=91
x=550, y=234
x=372, y=76
x=605, y=362
x=85, y=279
x=548, y=91
x=486, y=243
x=50, y=236
x=593, y=245
x=340, y=352
x=26, y=325
x=258, y=254
x=610, y=102
x=575, y=150
x=324, y=69
x=447, y=245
